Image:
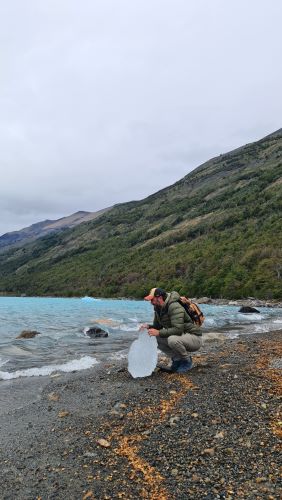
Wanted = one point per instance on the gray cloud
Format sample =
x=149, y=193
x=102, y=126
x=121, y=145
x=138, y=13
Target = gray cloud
x=108, y=101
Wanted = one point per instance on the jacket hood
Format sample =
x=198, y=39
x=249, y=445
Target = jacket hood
x=172, y=297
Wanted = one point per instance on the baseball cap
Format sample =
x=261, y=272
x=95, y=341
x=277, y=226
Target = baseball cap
x=154, y=292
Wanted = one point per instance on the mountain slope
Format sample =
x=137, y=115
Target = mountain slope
x=215, y=232
x=40, y=229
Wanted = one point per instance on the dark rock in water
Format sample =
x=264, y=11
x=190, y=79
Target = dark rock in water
x=248, y=309
x=96, y=333
x=28, y=334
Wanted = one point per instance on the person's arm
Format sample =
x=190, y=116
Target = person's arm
x=156, y=325
x=154, y=329
x=176, y=314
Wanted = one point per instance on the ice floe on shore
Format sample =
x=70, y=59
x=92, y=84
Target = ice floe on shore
x=73, y=365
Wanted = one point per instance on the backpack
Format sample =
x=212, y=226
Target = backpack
x=193, y=310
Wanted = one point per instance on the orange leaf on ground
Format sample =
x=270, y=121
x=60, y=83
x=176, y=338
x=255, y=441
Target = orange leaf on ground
x=89, y=494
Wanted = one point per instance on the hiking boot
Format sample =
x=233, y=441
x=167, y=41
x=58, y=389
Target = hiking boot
x=175, y=364
x=184, y=365
x=172, y=368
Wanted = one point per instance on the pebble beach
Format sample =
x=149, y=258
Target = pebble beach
x=213, y=433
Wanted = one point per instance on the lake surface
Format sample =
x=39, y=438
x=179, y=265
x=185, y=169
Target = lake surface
x=63, y=344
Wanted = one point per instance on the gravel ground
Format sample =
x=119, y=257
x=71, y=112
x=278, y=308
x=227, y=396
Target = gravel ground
x=99, y=434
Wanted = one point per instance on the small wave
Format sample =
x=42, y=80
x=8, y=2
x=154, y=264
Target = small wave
x=3, y=362
x=118, y=356
x=75, y=364
x=251, y=317
x=233, y=335
x=267, y=327
x=209, y=322
x=279, y=321
x=128, y=327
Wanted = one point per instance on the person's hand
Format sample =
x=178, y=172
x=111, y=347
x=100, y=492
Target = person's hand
x=153, y=332
x=144, y=326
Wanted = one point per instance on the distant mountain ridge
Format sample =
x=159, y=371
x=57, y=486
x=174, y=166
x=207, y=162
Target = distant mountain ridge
x=39, y=229
x=216, y=232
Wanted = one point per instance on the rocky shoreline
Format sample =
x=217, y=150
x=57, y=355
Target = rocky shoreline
x=98, y=434
x=250, y=302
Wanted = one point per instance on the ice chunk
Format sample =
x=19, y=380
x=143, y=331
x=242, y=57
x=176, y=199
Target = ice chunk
x=89, y=299
x=142, y=356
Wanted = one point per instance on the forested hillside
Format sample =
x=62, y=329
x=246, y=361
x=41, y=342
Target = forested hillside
x=43, y=228
x=216, y=232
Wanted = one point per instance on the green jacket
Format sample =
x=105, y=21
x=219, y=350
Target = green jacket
x=172, y=319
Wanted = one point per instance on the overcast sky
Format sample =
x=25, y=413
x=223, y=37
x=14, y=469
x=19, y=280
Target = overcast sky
x=109, y=101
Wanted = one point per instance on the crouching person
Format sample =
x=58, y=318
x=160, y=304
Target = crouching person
x=176, y=334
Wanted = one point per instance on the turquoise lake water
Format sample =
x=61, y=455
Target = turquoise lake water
x=63, y=345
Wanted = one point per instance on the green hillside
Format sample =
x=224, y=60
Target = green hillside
x=216, y=232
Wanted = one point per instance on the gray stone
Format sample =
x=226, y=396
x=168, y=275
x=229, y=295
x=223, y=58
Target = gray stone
x=96, y=333
x=28, y=334
x=248, y=310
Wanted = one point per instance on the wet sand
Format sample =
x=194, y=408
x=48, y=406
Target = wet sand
x=211, y=433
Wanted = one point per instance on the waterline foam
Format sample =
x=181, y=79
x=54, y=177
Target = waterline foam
x=75, y=364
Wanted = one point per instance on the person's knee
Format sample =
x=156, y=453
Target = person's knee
x=193, y=343
x=172, y=341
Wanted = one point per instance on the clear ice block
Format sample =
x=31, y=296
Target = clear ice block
x=142, y=356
